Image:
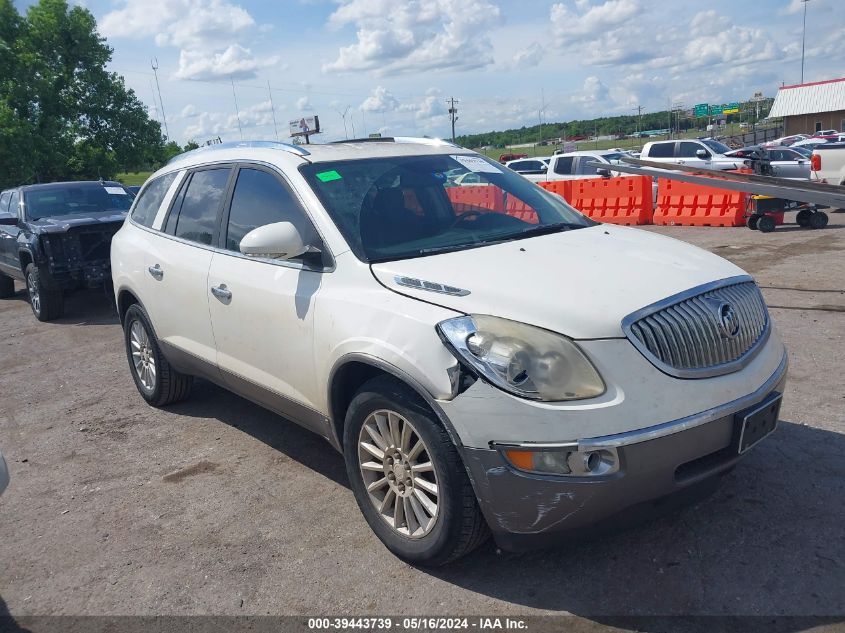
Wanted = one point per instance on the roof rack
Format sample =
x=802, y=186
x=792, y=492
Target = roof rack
x=286, y=147
x=420, y=140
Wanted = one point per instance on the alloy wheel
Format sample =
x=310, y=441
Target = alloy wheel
x=143, y=357
x=399, y=473
x=34, y=296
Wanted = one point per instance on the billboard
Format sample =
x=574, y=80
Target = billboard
x=305, y=126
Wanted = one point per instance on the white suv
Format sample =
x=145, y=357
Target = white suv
x=702, y=153
x=495, y=361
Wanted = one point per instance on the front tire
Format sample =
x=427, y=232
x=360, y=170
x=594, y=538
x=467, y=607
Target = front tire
x=751, y=222
x=802, y=218
x=766, y=224
x=818, y=220
x=47, y=303
x=157, y=382
x=407, y=476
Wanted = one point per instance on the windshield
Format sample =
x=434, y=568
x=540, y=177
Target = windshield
x=399, y=207
x=716, y=146
x=74, y=199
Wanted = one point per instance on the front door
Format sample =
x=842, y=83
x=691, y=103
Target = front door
x=177, y=265
x=9, y=259
x=262, y=310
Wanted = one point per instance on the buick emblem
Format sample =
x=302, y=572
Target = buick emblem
x=727, y=319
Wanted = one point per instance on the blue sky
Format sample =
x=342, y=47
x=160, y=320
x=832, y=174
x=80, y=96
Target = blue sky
x=393, y=63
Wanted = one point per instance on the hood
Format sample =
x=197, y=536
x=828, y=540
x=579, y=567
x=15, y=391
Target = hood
x=63, y=223
x=580, y=283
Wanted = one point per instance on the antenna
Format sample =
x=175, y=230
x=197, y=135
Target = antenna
x=272, y=109
x=154, y=65
x=237, y=110
x=343, y=116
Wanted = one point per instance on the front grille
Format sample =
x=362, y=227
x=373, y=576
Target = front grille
x=707, y=331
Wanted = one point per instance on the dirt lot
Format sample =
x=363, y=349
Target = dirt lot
x=217, y=506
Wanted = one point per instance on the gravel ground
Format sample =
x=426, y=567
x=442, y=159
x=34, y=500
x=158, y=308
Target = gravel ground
x=215, y=506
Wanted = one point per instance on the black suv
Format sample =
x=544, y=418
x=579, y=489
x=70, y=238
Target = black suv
x=57, y=237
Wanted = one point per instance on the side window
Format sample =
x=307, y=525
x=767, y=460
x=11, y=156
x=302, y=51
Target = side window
x=259, y=199
x=661, y=150
x=149, y=200
x=14, y=204
x=4, y=201
x=688, y=150
x=818, y=126
x=563, y=166
x=196, y=215
x=584, y=165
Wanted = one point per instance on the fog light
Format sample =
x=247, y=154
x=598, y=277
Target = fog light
x=593, y=462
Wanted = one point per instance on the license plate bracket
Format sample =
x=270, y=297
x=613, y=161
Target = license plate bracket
x=757, y=422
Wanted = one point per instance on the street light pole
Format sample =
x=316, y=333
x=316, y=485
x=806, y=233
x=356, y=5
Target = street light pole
x=803, y=38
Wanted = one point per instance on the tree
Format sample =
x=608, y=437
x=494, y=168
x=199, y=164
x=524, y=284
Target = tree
x=62, y=114
x=191, y=144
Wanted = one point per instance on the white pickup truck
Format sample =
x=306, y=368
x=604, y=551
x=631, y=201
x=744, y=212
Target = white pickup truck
x=575, y=165
x=828, y=163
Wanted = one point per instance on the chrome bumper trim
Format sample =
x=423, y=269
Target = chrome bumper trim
x=667, y=428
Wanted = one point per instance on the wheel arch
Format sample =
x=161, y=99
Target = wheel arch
x=125, y=299
x=353, y=370
x=26, y=258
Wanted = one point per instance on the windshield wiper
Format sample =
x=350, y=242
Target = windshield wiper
x=543, y=229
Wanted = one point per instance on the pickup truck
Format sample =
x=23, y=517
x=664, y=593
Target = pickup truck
x=704, y=153
x=828, y=163
x=57, y=237
x=576, y=165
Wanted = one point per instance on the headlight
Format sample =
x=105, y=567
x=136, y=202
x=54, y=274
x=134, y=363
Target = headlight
x=524, y=360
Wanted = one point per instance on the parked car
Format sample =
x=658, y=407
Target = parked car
x=504, y=158
x=56, y=238
x=133, y=189
x=467, y=388
x=703, y=153
x=529, y=165
x=781, y=162
x=4, y=474
x=828, y=163
x=577, y=165
x=788, y=140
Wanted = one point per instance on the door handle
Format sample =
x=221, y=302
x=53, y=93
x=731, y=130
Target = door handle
x=156, y=272
x=221, y=292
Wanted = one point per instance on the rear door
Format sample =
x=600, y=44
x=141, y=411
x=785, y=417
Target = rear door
x=262, y=310
x=178, y=261
x=9, y=260
x=661, y=152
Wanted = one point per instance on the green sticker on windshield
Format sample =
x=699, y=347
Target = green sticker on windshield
x=328, y=176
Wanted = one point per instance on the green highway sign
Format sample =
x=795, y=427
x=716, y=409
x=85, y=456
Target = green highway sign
x=701, y=109
x=716, y=109
x=730, y=108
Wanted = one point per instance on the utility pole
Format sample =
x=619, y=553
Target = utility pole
x=154, y=65
x=803, y=37
x=453, y=114
x=540, y=114
x=273, y=110
x=238, y=111
x=639, y=110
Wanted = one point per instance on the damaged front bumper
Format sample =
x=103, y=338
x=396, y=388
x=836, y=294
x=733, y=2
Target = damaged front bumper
x=658, y=465
x=79, y=257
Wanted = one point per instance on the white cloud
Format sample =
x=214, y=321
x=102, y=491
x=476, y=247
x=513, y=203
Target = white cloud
x=594, y=92
x=303, y=104
x=380, y=100
x=190, y=111
x=589, y=20
x=184, y=23
x=258, y=115
x=236, y=62
x=530, y=56
x=396, y=36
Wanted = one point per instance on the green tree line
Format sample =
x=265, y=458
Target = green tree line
x=63, y=116
x=604, y=126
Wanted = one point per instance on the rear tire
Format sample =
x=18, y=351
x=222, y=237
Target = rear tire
x=766, y=224
x=818, y=220
x=7, y=287
x=443, y=521
x=157, y=382
x=47, y=303
x=751, y=222
x=803, y=217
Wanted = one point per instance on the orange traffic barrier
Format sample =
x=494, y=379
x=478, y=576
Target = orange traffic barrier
x=624, y=200
x=475, y=196
x=692, y=204
x=560, y=187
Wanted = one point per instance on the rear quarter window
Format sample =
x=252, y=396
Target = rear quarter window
x=661, y=150
x=150, y=199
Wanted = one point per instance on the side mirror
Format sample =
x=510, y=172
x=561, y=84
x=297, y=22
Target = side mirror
x=544, y=169
x=702, y=154
x=604, y=173
x=8, y=219
x=280, y=240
